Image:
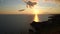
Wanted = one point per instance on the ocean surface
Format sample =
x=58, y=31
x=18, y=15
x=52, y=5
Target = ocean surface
x=18, y=22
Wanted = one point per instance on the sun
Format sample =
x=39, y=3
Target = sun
x=36, y=12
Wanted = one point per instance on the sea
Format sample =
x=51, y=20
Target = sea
x=18, y=23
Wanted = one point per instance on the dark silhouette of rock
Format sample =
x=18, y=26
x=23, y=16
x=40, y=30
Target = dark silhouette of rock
x=52, y=26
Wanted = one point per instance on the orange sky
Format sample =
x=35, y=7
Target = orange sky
x=42, y=9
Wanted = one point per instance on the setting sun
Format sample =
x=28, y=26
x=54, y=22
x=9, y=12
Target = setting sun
x=36, y=19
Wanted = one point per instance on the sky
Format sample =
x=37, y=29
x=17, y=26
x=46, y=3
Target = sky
x=44, y=6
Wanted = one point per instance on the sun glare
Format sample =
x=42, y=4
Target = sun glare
x=36, y=12
x=36, y=19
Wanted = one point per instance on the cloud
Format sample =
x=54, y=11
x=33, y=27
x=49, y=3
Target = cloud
x=56, y=1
